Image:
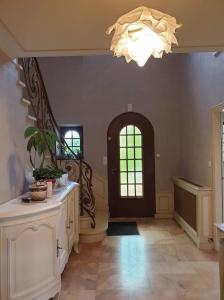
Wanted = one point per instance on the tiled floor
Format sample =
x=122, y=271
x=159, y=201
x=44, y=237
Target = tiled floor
x=160, y=264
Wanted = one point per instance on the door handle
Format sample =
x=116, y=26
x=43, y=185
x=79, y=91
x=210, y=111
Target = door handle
x=58, y=248
x=114, y=170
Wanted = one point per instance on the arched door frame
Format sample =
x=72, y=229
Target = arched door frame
x=139, y=120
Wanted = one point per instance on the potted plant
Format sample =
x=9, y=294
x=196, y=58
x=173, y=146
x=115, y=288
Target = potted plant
x=48, y=173
x=40, y=142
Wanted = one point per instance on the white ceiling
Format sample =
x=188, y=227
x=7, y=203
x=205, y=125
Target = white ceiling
x=74, y=27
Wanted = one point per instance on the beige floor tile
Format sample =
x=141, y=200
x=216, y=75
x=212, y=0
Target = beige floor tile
x=78, y=295
x=162, y=263
x=199, y=294
x=113, y=295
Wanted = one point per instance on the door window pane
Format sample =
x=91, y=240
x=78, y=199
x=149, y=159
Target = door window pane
x=138, y=165
x=131, y=165
x=123, y=177
x=139, y=190
x=138, y=140
x=123, y=165
x=123, y=152
x=130, y=140
x=122, y=141
x=138, y=176
x=131, y=190
x=130, y=129
x=124, y=190
x=138, y=153
x=123, y=131
x=130, y=153
x=131, y=172
x=137, y=131
x=131, y=177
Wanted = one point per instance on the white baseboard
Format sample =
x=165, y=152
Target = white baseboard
x=163, y=216
x=201, y=242
x=216, y=238
x=164, y=205
x=186, y=227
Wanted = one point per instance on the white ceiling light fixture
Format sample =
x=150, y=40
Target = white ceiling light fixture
x=141, y=33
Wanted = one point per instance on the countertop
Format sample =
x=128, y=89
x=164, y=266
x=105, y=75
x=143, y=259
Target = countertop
x=17, y=208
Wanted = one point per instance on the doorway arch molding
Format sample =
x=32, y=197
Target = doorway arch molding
x=131, y=205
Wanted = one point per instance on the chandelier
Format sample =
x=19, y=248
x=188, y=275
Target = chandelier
x=141, y=33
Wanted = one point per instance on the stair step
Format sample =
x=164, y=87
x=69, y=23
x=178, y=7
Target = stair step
x=18, y=66
x=26, y=101
x=90, y=235
x=32, y=118
x=21, y=83
x=85, y=222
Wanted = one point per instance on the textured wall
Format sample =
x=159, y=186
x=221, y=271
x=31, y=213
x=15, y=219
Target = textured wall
x=202, y=88
x=176, y=94
x=94, y=90
x=12, y=123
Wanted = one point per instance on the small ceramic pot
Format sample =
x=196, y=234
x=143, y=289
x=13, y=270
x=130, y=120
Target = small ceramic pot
x=38, y=191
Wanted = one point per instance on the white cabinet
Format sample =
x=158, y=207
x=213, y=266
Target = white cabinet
x=29, y=262
x=70, y=221
x=77, y=219
x=68, y=227
x=35, y=243
x=73, y=220
x=63, y=239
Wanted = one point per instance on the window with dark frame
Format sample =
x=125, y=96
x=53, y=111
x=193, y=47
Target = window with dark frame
x=73, y=136
x=131, y=172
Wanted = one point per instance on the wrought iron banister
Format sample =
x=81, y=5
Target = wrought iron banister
x=42, y=111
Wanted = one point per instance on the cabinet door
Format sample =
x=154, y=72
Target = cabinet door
x=76, y=216
x=29, y=260
x=63, y=236
x=71, y=220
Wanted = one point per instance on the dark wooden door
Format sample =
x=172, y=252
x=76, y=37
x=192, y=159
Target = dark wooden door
x=131, y=166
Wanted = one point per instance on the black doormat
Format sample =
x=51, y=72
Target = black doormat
x=122, y=228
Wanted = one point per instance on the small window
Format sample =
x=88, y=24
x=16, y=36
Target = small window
x=73, y=136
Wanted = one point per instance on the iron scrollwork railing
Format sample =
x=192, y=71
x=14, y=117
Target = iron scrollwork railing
x=42, y=111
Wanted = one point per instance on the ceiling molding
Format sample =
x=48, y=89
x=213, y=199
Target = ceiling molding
x=28, y=28
x=8, y=43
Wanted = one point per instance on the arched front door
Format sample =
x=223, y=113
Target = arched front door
x=131, y=166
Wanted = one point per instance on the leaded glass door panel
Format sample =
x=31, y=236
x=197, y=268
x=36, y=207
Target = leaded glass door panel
x=131, y=175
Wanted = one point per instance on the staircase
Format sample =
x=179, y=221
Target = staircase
x=89, y=235
x=92, y=225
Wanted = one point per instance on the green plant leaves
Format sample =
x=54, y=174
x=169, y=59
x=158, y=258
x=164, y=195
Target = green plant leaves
x=47, y=173
x=30, y=131
x=31, y=144
x=51, y=138
x=41, y=140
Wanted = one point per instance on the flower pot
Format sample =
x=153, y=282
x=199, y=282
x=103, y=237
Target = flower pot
x=38, y=191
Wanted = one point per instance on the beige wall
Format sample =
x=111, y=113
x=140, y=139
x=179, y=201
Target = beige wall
x=175, y=94
x=203, y=87
x=12, y=124
x=94, y=90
